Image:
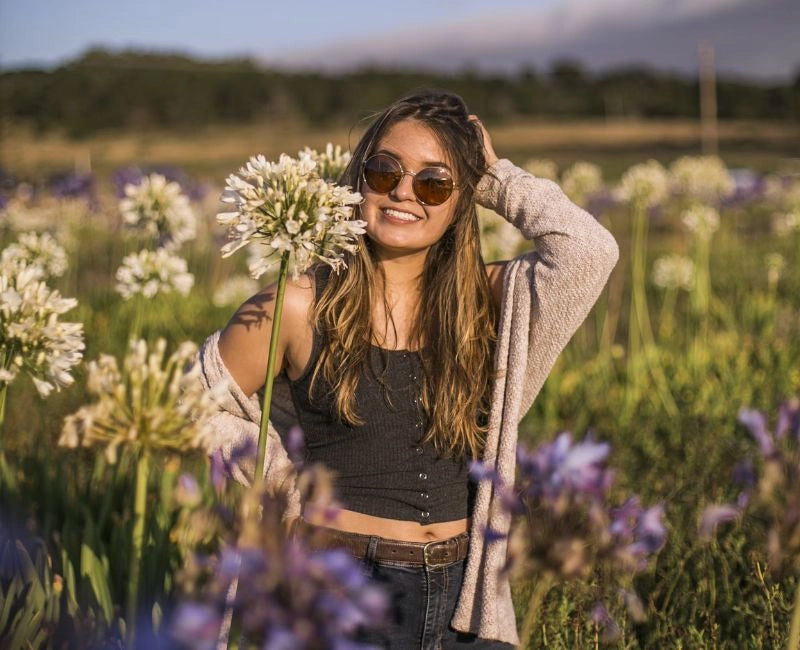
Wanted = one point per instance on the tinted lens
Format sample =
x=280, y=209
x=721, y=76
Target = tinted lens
x=382, y=173
x=433, y=185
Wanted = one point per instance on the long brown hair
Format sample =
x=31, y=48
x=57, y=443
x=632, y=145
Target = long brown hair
x=454, y=324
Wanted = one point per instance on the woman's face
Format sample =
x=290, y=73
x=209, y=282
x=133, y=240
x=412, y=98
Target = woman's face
x=396, y=222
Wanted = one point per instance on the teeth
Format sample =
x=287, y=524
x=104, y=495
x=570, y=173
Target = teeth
x=405, y=216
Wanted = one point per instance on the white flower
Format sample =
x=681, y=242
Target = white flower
x=542, y=168
x=499, y=239
x=701, y=220
x=40, y=250
x=234, y=291
x=775, y=264
x=286, y=207
x=150, y=272
x=580, y=180
x=702, y=177
x=784, y=223
x=150, y=404
x=673, y=272
x=159, y=208
x=331, y=163
x=31, y=336
x=645, y=182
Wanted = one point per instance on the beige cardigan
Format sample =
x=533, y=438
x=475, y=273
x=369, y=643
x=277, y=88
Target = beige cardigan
x=547, y=293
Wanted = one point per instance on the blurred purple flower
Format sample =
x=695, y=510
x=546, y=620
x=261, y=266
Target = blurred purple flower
x=68, y=185
x=125, y=176
x=295, y=445
x=195, y=626
x=788, y=420
x=609, y=630
x=3, y=201
x=756, y=423
x=187, y=491
x=715, y=515
x=747, y=186
x=650, y=532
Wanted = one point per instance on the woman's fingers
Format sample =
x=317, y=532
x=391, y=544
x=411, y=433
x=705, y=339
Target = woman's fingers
x=488, y=149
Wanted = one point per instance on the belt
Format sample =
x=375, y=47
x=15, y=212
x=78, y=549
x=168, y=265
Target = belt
x=432, y=554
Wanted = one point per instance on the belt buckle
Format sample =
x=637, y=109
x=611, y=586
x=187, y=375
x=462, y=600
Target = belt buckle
x=426, y=558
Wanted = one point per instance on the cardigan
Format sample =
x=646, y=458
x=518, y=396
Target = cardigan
x=547, y=293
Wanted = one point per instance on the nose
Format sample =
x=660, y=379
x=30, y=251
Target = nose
x=405, y=190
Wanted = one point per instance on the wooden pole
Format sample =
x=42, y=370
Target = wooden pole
x=708, y=98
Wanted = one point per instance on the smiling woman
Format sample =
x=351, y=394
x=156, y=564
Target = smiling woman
x=418, y=358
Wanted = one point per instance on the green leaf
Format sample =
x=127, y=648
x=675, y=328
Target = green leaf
x=97, y=573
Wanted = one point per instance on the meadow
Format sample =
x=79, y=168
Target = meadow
x=661, y=370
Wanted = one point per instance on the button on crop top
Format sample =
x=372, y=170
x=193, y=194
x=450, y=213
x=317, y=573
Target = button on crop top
x=382, y=468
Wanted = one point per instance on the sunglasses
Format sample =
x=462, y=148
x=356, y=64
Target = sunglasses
x=431, y=185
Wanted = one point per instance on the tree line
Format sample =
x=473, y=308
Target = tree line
x=139, y=90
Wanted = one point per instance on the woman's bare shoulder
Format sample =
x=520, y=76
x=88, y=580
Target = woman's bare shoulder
x=245, y=340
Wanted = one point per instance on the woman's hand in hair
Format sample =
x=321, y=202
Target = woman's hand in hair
x=488, y=149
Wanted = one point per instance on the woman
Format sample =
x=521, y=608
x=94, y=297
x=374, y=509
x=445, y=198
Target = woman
x=419, y=357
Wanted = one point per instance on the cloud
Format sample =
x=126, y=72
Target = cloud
x=752, y=38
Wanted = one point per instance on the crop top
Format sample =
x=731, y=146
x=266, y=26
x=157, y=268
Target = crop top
x=382, y=467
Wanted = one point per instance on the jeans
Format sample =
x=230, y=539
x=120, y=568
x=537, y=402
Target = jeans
x=422, y=600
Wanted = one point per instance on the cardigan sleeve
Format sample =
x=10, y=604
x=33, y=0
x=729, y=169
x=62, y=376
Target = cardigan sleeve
x=573, y=258
x=237, y=425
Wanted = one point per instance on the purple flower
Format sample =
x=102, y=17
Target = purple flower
x=126, y=176
x=756, y=423
x=72, y=185
x=713, y=516
x=187, y=491
x=609, y=630
x=195, y=626
x=789, y=420
x=650, y=532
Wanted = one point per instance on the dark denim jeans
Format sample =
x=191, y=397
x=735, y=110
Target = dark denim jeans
x=422, y=601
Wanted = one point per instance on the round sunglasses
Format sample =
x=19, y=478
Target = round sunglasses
x=431, y=185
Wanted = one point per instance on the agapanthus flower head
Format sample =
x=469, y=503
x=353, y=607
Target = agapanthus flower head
x=158, y=207
x=32, y=249
x=646, y=183
x=775, y=264
x=542, y=168
x=705, y=178
x=701, y=220
x=581, y=180
x=148, y=273
x=153, y=402
x=785, y=223
x=287, y=208
x=499, y=239
x=31, y=335
x=673, y=272
x=234, y=291
x=331, y=163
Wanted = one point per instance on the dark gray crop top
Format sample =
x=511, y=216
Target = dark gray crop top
x=382, y=468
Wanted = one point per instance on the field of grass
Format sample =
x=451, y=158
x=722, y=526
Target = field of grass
x=667, y=405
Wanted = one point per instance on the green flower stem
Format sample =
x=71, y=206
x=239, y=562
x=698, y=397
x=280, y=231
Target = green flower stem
x=794, y=630
x=137, y=538
x=642, y=350
x=3, y=393
x=543, y=585
x=270, y=376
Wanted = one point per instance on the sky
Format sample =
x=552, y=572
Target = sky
x=755, y=38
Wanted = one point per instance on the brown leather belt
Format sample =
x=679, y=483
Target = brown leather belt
x=432, y=554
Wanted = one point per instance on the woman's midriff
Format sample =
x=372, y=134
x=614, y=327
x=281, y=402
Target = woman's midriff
x=407, y=531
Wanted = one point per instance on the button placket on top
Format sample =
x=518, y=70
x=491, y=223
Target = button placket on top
x=424, y=495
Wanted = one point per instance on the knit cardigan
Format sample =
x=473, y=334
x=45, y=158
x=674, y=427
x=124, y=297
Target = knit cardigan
x=547, y=294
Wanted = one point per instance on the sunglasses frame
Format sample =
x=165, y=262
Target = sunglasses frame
x=413, y=175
